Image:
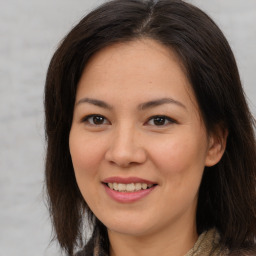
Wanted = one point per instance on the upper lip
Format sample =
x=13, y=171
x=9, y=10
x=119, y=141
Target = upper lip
x=127, y=180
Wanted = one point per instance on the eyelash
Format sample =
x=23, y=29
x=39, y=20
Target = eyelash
x=167, y=120
x=87, y=118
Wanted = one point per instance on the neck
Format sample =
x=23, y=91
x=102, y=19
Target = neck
x=175, y=242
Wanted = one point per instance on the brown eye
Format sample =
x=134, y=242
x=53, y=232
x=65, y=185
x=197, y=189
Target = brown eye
x=98, y=120
x=95, y=120
x=160, y=121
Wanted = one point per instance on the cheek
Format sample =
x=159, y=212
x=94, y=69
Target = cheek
x=85, y=152
x=180, y=163
x=179, y=155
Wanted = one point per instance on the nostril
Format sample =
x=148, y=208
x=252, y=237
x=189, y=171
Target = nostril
x=125, y=160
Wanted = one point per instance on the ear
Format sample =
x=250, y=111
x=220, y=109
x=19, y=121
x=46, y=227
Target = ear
x=217, y=145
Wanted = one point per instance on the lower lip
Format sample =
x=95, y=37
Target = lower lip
x=128, y=197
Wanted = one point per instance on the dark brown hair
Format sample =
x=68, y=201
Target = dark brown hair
x=227, y=192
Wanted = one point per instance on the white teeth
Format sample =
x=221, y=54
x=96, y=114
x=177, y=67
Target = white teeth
x=138, y=186
x=121, y=187
x=115, y=186
x=131, y=187
x=144, y=185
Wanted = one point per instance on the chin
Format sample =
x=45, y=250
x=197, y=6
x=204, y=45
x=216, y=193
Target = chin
x=130, y=231
x=131, y=228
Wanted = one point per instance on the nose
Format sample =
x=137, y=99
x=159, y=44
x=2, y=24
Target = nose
x=126, y=148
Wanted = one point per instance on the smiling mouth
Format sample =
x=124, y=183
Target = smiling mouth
x=130, y=187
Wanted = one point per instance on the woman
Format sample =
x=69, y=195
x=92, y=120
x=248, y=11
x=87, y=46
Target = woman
x=149, y=135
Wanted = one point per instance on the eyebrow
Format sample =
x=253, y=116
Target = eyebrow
x=95, y=102
x=158, y=102
x=142, y=106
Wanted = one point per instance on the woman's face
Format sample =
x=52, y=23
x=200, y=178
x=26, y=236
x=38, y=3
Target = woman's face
x=137, y=142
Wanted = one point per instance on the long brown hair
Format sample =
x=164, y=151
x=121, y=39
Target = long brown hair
x=227, y=193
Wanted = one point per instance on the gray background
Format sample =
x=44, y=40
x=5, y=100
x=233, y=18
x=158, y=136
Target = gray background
x=29, y=33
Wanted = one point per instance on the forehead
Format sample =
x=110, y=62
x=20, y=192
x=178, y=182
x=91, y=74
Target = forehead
x=136, y=52
x=128, y=68
x=143, y=58
x=142, y=45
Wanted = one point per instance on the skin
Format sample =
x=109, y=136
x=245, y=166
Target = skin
x=127, y=141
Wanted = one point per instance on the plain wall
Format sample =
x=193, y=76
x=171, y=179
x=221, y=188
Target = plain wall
x=29, y=33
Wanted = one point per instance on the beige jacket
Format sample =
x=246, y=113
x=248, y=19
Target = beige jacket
x=207, y=245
